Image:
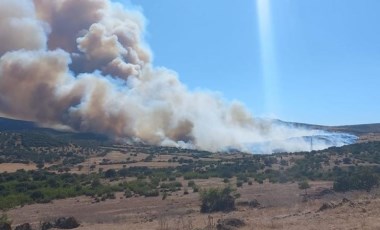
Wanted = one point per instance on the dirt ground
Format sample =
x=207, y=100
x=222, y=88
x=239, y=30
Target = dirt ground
x=13, y=167
x=282, y=207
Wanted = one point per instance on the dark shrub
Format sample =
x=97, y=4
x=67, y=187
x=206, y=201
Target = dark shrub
x=37, y=195
x=217, y=199
x=191, y=183
x=150, y=193
x=110, y=173
x=66, y=223
x=25, y=226
x=5, y=226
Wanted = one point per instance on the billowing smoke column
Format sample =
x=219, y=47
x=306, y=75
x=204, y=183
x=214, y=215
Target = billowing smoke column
x=83, y=64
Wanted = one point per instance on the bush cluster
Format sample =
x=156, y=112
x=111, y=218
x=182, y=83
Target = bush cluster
x=217, y=199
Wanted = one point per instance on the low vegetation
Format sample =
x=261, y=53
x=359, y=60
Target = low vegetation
x=217, y=199
x=60, y=158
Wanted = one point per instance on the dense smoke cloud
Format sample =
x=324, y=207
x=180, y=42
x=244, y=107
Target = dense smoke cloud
x=83, y=64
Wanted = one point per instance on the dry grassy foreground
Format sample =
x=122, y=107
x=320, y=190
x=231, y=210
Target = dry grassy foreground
x=282, y=208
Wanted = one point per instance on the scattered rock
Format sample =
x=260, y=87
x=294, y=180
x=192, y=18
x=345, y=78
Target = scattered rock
x=66, y=223
x=25, y=226
x=347, y=201
x=229, y=224
x=365, y=202
x=254, y=203
x=320, y=192
x=5, y=226
x=189, y=211
x=326, y=206
x=332, y=205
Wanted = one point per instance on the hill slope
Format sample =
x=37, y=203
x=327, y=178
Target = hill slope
x=365, y=132
x=32, y=132
x=360, y=129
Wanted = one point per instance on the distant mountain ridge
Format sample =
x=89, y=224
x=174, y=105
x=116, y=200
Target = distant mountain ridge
x=31, y=128
x=352, y=129
x=7, y=124
x=365, y=133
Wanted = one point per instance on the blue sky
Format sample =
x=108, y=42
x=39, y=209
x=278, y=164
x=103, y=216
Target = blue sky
x=322, y=57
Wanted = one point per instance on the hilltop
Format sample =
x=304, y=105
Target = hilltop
x=356, y=129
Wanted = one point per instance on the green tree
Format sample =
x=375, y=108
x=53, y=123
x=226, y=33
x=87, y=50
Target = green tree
x=361, y=179
x=217, y=199
x=342, y=184
x=304, y=185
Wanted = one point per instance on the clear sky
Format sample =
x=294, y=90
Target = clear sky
x=313, y=61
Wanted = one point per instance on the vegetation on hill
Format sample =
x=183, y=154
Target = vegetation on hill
x=352, y=167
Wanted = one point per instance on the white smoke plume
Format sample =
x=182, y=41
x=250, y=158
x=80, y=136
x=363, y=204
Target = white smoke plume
x=84, y=64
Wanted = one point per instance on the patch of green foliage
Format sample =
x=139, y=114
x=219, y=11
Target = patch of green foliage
x=217, y=199
x=171, y=186
x=24, y=187
x=359, y=178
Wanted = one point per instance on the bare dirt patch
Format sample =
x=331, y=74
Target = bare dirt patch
x=13, y=167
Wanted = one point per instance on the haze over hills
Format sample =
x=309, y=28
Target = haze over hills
x=364, y=132
x=348, y=134
x=28, y=128
x=352, y=129
x=96, y=74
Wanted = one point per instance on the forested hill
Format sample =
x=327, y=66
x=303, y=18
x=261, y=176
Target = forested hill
x=30, y=132
x=30, y=129
x=15, y=125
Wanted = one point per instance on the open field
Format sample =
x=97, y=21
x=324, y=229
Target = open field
x=281, y=208
x=13, y=167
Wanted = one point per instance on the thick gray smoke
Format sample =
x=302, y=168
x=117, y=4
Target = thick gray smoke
x=83, y=64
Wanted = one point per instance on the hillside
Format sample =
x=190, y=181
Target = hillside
x=45, y=174
x=353, y=129
x=17, y=126
x=32, y=133
x=365, y=132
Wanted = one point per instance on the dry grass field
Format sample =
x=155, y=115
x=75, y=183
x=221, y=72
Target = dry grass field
x=13, y=167
x=282, y=207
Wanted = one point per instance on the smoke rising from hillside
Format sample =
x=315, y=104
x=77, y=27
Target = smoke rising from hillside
x=84, y=64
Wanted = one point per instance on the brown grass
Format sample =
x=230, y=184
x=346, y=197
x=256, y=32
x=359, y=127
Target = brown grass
x=282, y=208
x=13, y=167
